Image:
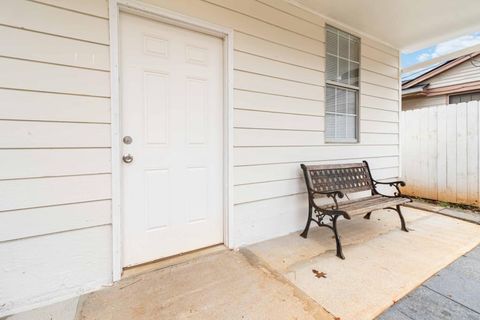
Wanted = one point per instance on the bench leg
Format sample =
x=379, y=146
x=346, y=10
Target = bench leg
x=367, y=216
x=320, y=223
x=304, y=234
x=337, y=238
x=402, y=219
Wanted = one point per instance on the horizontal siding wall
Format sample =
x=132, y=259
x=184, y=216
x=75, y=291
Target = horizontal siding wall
x=55, y=107
x=55, y=177
x=279, y=93
x=463, y=73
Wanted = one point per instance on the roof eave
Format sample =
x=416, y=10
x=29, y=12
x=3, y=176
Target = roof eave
x=441, y=68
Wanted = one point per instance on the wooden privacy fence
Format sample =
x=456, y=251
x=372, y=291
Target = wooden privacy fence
x=440, y=152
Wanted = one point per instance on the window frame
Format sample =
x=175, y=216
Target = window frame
x=335, y=84
x=462, y=94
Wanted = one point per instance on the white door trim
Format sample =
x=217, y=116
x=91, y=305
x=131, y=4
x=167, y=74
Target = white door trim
x=171, y=17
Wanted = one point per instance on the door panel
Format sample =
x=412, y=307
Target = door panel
x=171, y=82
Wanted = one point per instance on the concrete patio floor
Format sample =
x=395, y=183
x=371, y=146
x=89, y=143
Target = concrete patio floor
x=223, y=285
x=275, y=280
x=382, y=262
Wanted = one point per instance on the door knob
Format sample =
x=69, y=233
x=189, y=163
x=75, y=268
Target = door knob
x=128, y=158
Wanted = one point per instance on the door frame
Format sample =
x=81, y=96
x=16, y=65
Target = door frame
x=174, y=18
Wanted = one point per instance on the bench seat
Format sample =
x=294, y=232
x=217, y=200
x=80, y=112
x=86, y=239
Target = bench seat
x=336, y=181
x=367, y=204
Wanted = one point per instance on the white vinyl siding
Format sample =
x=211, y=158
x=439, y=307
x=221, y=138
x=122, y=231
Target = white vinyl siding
x=342, y=76
x=468, y=71
x=65, y=164
x=55, y=177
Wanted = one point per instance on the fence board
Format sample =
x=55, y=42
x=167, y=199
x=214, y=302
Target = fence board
x=441, y=152
x=462, y=152
x=451, y=154
x=416, y=168
x=423, y=152
x=431, y=153
x=472, y=157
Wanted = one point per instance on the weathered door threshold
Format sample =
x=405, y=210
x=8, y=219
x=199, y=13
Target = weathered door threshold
x=170, y=261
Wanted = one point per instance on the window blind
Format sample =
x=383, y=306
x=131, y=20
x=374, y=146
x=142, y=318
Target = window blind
x=342, y=77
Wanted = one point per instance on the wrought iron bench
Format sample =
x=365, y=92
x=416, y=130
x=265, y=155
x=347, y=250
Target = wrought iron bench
x=336, y=180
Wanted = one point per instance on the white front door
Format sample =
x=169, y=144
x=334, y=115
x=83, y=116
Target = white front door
x=171, y=85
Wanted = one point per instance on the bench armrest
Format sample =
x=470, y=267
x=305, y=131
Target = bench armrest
x=330, y=194
x=395, y=184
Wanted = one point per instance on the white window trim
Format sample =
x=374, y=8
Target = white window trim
x=355, y=140
x=343, y=85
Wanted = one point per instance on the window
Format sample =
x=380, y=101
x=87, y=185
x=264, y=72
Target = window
x=465, y=97
x=342, y=86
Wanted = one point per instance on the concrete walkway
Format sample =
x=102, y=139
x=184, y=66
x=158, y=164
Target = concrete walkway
x=453, y=293
x=382, y=264
x=224, y=285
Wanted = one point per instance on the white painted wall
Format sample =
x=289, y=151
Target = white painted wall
x=55, y=188
x=441, y=152
x=55, y=140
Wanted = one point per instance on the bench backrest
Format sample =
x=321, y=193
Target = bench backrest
x=351, y=177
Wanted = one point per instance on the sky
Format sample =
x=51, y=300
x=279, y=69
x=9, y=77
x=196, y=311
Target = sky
x=439, y=49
